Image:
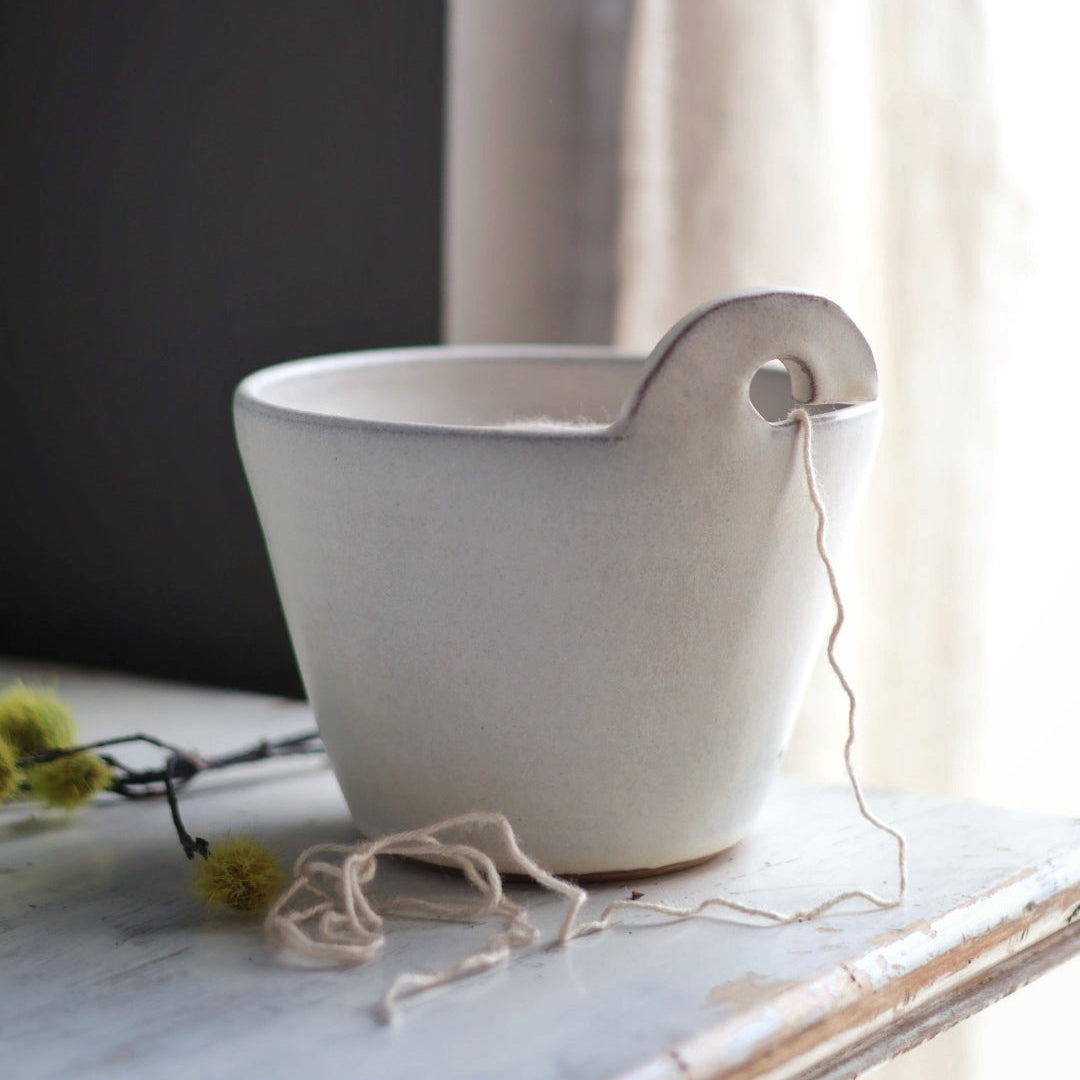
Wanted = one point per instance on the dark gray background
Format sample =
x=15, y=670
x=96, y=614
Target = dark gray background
x=190, y=191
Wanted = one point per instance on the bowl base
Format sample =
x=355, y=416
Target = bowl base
x=590, y=877
x=599, y=877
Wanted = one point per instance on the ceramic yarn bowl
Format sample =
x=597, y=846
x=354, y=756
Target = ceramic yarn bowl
x=569, y=585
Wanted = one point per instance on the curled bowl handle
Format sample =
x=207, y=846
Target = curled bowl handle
x=706, y=361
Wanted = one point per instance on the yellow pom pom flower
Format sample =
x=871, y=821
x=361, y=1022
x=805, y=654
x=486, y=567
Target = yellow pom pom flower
x=69, y=781
x=34, y=720
x=9, y=773
x=239, y=873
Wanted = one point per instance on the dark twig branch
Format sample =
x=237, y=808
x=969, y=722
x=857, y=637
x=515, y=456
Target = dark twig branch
x=180, y=767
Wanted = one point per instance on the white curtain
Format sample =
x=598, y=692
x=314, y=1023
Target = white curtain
x=611, y=165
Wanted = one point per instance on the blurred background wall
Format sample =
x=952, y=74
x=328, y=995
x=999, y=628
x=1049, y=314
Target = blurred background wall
x=190, y=191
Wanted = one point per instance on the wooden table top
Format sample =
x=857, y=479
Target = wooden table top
x=109, y=966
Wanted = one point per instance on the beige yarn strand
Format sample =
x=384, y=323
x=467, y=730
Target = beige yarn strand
x=814, y=488
x=326, y=913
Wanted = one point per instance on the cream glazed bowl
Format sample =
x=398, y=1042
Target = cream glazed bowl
x=573, y=586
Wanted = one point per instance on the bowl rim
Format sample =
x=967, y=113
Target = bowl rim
x=247, y=397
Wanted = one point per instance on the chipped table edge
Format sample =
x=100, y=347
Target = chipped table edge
x=904, y=990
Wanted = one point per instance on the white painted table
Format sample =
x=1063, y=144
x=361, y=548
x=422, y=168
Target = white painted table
x=110, y=968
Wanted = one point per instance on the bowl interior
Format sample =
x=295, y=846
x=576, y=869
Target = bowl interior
x=477, y=387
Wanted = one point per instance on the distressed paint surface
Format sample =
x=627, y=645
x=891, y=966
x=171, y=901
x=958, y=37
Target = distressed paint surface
x=109, y=967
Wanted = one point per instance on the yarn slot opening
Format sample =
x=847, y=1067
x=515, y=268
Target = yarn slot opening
x=770, y=392
x=772, y=398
